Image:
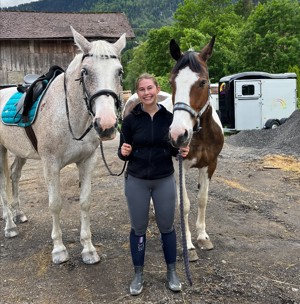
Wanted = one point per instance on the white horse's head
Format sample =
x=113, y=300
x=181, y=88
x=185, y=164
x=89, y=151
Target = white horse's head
x=100, y=72
x=190, y=91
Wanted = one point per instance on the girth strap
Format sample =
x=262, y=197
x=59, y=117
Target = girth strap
x=30, y=133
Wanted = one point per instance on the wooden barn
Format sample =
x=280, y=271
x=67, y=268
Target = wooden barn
x=31, y=42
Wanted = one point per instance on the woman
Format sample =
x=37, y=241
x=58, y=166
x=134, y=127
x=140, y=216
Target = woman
x=150, y=174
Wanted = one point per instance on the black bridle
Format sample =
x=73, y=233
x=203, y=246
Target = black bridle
x=88, y=98
x=196, y=115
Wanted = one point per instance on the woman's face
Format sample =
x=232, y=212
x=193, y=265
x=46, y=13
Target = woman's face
x=147, y=91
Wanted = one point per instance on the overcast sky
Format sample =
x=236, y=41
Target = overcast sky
x=7, y=3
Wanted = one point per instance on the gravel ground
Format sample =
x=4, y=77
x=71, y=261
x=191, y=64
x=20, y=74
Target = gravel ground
x=283, y=140
x=252, y=218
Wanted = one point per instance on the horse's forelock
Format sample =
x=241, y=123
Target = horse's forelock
x=103, y=48
x=189, y=59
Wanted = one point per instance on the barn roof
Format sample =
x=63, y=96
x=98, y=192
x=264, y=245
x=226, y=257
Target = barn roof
x=36, y=25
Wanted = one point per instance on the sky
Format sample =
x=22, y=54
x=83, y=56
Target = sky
x=7, y=3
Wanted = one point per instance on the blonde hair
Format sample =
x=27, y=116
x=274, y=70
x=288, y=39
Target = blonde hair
x=145, y=76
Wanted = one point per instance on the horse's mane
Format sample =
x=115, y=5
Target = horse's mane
x=190, y=59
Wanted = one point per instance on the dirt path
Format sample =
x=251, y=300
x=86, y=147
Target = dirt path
x=252, y=218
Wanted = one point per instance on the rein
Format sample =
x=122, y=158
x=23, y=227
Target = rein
x=182, y=224
x=68, y=116
x=106, y=165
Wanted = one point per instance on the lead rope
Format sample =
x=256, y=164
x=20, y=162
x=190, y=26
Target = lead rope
x=106, y=165
x=182, y=223
x=104, y=160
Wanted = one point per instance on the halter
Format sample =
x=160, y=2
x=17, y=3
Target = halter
x=90, y=98
x=184, y=107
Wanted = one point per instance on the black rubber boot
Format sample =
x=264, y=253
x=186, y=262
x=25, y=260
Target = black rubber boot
x=173, y=281
x=136, y=285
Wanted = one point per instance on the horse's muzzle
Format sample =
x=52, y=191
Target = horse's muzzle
x=181, y=141
x=106, y=134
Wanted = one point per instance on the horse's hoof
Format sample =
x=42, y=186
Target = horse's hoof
x=12, y=232
x=90, y=257
x=20, y=218
x=193, y=256
x=60, y=257
x=205, y=244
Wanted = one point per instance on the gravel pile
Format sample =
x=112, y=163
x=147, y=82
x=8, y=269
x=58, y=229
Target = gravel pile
x=283, y=140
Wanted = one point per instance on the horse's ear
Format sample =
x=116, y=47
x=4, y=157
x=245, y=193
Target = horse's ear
x=206, y=52
x=120, y=43
x=83, y=44
x=175, y=50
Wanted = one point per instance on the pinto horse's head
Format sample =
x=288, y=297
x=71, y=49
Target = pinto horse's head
x=100, y=73
x=190, y=91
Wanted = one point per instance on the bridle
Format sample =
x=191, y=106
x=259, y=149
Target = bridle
x=196, y=115
x=88, y=98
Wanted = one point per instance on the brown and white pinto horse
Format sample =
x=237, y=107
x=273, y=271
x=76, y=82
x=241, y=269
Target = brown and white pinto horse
x=195, y=123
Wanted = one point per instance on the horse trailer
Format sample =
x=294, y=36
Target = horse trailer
x=214, y=97
x=256, y=100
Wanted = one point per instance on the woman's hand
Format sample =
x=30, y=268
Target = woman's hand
x=126, y=149
x=184, y=151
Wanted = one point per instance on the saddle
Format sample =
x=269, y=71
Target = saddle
x=21, y=108
x=33, y=87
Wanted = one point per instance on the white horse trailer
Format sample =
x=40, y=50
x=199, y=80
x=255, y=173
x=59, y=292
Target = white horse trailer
x=256, y=100
x=214, y=97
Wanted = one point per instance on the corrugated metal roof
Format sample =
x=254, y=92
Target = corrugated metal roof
x=36, y=25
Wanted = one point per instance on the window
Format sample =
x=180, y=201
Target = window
x=248, y=89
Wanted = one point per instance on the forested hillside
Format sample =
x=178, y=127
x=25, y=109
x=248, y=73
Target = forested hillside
x=142, y=14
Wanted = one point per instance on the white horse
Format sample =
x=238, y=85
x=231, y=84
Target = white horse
x=80, y=103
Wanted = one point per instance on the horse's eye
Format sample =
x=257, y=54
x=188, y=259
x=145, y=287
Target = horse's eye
x=202, y=83
x=84, y=71
x=121, y=72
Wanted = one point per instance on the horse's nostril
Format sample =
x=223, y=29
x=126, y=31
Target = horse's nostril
x=186, y=133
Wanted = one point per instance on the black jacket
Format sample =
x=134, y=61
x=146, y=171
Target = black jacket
x=151, y=156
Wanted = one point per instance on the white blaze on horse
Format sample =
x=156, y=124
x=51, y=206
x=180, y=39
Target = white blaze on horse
x=195, y=123
x=79, y=104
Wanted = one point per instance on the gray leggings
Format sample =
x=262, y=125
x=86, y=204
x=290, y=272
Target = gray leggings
x=138, y=194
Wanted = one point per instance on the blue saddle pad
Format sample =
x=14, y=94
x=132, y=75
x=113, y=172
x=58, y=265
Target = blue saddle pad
x=10, y=115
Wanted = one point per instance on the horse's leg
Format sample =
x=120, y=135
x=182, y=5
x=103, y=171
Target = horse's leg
x=186, y=209
x=10, y=229
x=52, y=177
x=16, y=169
x=203, y=239
x=85, y=168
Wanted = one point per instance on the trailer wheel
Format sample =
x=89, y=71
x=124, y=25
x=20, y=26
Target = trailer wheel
x=272, y=124
x=282, y=120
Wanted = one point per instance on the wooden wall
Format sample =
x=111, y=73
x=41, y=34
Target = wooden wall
x=21, y=57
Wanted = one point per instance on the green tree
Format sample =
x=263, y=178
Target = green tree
x=244, y=8
x=270, y=39
x=216, y=18
x=191, y=13
x=296, y=69
x=135, y=67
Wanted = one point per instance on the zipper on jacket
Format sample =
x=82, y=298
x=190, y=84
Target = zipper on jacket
x=150, y=154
